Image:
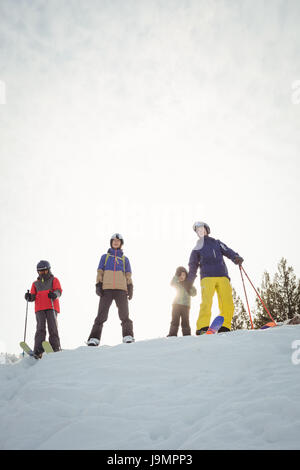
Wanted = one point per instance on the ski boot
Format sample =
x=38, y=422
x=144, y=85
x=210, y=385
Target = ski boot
x=128, y=339
x=93, y=342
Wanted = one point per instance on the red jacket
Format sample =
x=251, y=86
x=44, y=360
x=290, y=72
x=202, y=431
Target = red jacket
x=41, y=290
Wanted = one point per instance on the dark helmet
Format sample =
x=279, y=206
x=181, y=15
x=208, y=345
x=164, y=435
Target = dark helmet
x=118, y=236
x=43, y=265
x=201, y=224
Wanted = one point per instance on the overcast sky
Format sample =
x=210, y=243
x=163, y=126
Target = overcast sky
x=140, y=117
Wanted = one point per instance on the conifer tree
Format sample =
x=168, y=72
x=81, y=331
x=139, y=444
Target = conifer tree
x=298, y=298
x=268, y=295
x=286, y=286
x=281, y=296
x=240, y=318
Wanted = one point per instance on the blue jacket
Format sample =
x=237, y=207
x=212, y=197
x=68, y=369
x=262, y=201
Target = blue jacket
x=210, y=259
x=114, y=262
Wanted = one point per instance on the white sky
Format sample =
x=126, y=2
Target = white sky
x=141, y=117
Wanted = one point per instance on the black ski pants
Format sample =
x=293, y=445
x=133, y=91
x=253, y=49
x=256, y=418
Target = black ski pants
x=180, y=313
x=121, y=300
x=44, y=317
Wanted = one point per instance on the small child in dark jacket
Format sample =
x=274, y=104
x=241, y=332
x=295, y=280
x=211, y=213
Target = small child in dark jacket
x=181, y=304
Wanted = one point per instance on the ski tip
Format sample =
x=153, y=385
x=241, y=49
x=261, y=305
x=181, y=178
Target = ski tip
x=271, y=324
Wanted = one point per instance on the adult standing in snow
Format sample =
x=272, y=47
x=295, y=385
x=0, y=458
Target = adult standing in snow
x=208, y=256
x=113, y=282
x=45, y=292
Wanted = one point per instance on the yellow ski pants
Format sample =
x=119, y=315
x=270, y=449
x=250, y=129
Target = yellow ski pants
x=224, y=292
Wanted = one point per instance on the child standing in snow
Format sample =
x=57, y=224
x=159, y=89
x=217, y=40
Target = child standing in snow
x=45, y=292
x=181, y=304
x=113, y=283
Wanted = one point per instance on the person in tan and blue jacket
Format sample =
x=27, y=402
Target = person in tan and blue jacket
x=113, y=282
x=181, y=304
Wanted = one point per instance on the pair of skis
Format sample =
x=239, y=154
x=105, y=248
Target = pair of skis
x=219, y=320
x=46, y=346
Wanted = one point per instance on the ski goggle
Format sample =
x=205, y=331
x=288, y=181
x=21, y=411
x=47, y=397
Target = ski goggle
x=117, y=235
x=198, y=225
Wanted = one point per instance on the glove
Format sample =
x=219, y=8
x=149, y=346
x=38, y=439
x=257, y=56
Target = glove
x=99, y=289
x=238, y=260
x=130, y=291
x=52, y=295
x=187, y=285
x=29, y=297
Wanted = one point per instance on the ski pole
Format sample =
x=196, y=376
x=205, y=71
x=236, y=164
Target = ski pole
x=252, y=327
x=25, y=329
x=54, y=313
x=259, y=297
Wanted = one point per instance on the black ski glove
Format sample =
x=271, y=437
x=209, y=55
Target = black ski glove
x=52, y=295
x=29, y=297
x=99, y=289
x=130, y=291
x=238, y=260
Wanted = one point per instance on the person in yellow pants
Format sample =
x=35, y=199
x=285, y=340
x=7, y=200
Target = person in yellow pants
x=210, y=285
x=208, y=256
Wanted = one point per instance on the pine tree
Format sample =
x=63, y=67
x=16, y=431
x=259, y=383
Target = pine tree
x=268, y=295
x=281, y=296
x=287, y=290
x=298, y=299
x=240, y=320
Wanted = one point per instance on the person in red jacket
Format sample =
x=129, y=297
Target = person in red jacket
x=45, y=292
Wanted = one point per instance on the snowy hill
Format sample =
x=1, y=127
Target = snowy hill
x=236, y=390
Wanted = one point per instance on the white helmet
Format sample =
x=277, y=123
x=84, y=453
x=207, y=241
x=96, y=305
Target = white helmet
x=201, y=224
x=118, y=236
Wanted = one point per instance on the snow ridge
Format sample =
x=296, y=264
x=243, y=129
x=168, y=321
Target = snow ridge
x=237, y=390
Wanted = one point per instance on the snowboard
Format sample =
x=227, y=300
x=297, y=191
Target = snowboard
x=215, y=325
x=268, y=325
x=47, y=347
x=28, y=350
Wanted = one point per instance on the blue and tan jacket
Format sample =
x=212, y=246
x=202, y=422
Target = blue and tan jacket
x=114, y=270
x=210, y=259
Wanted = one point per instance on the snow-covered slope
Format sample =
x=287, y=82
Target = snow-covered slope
x=236, y=390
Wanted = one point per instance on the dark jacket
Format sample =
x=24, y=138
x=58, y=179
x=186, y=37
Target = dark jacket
x=210, y=259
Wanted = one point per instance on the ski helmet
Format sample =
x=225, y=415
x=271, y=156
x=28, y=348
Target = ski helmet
x=118, y=236
x=43, y=265
x=201, y=224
